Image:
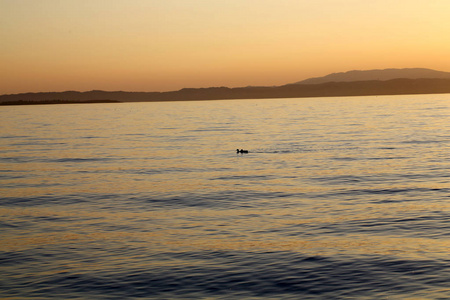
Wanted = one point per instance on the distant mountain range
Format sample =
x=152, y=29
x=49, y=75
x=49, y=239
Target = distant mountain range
x=386, y=74
x=352, y=83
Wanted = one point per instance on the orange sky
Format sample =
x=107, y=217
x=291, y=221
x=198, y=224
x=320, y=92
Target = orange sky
x=159, y=45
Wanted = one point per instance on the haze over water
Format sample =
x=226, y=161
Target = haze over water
x=338, y=198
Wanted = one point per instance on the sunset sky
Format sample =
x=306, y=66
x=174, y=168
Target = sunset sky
x=160, y=45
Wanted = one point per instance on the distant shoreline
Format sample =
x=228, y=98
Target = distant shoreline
x=51, y=102
x=401, y=86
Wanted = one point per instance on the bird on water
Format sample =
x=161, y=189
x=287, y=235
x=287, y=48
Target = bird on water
x=241, y=151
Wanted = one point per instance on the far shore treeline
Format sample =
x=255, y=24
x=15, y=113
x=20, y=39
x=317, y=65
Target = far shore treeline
x=400, y=86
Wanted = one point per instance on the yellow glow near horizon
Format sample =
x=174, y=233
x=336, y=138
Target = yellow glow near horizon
x=156, y=45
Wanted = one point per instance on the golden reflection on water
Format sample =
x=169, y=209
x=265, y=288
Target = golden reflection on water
x=151, y=152
x=192, y=240
x=239, y=230
x=140, y=188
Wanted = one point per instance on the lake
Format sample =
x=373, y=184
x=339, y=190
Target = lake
x=338, y=198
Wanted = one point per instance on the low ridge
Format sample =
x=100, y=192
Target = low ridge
x=352, y=83
x=385, y=74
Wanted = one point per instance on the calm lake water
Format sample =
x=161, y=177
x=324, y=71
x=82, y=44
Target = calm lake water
x=338, y=198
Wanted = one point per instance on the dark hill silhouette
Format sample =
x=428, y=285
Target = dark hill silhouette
x=398, y=86
x=386, y=74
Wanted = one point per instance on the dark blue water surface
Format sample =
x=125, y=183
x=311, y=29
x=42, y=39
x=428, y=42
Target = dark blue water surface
x=338, y=198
